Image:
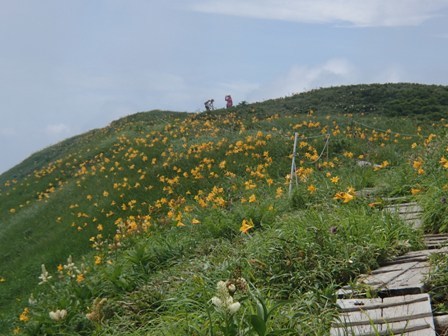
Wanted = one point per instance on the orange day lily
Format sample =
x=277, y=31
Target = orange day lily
x=246, y=225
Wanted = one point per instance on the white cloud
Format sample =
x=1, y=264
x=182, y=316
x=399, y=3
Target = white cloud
x=363, y=13
x=57, y=129
x=304, y=78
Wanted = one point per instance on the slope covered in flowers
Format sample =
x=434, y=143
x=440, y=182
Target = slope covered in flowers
x=129, y=228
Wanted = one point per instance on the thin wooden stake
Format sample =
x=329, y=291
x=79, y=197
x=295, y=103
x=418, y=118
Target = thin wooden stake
x=293, y=164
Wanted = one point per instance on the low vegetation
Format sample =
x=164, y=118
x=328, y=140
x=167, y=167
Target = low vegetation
x=167, y=223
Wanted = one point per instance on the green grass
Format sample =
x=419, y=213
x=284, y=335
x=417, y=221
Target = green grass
x=150, y=209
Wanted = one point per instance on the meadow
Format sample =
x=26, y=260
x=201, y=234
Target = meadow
x=169, y=223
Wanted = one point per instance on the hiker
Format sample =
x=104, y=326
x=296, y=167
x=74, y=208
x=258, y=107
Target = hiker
x=229, y=101
x=209, y=105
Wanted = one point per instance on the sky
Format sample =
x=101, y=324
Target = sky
x=70, y=66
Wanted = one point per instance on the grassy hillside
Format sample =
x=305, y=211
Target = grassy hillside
x=137, y=222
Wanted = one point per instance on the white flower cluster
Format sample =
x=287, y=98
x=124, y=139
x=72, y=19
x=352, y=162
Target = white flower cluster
x=58, y=314
x=224, y=301
x=71, y=268
x=44, y=277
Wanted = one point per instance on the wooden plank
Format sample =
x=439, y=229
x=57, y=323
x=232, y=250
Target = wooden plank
x=344, y=326
x=383, y=319
x=404, y=278
x=436, y=240
x=411, y=281
x=420, y=312
x=403, y=275
x=381, y=280
x=408, y=315
x=436, y=235
x=404, y=205
x=359, y=305
x=415, y=223
x=410, y=213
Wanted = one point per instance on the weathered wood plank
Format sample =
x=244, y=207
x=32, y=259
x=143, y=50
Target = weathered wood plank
x=384, y=304
x=344, y=326
x=436, y=240
x=403, y=275
x=420, y=312
x=408, y=212
x=396, y=276
x=408, y=315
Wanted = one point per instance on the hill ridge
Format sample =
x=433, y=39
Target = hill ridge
x=184, y=182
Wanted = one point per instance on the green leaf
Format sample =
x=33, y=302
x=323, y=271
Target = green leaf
x=258, y=324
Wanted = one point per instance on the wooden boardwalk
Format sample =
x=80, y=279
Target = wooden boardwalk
x=409, y=212
x=403, y=315
x=402, y=306
x=403, y=275
x=436, y=240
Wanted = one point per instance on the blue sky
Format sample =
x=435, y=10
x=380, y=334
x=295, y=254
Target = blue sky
x=70, y=66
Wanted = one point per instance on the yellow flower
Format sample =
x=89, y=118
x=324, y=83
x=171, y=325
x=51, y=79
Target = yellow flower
x=246, y=225
x=444, y=162
x=252, y=198
x=345, y=197
x=195, y=221
x=80, y=278
x=351, y=191
x=98, y=260
x=311, y=188
x=60, y=268
x=417, y=164
x=279, y=192
x=335, y=179
x=24, y=316
x=415, y=191
x=2, y=279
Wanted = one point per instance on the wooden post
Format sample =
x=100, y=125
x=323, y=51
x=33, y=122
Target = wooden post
x=293, y=163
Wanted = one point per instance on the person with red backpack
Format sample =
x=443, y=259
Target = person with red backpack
x=229, y=101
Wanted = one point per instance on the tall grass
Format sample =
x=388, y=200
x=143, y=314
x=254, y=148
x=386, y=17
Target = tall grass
x=151, y=210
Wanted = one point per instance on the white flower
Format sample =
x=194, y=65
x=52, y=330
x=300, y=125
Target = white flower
x=71, y=268
x=221, y=287
x=223, y=301
x=233, y=308
x=32, y=301
x=217, y=302
x=44, y=277
x=58, y=314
